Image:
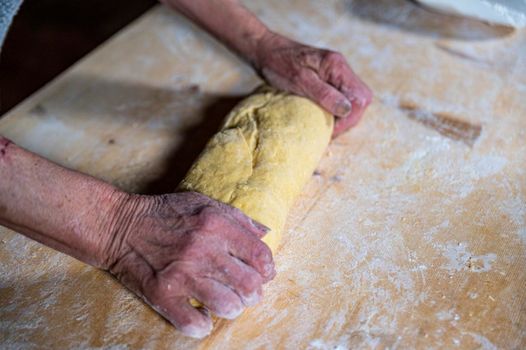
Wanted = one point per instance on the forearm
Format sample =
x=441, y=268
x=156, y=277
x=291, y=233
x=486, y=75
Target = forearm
x=63, y=209
x=228, y=21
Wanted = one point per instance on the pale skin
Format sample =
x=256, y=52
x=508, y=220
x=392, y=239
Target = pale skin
x=170, y=248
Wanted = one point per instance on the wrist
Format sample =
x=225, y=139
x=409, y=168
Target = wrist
x=124, y=212
x=65, y=210
x=260, y=49
x=99, y=223
x=251, y=44
x=266, y=45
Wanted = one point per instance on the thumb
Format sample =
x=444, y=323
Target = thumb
x=325, y=95
x=249, y=224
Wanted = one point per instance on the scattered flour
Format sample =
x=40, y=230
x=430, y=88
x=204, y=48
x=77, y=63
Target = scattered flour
x=461, y=259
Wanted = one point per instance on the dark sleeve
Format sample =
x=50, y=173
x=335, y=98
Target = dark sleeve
x=8, y=9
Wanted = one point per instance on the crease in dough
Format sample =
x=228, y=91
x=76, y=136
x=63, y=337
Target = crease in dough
x=262, y=157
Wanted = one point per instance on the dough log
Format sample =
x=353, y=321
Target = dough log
x=266, y=151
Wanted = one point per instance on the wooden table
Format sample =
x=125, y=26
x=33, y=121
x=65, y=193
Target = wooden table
x=409, y=236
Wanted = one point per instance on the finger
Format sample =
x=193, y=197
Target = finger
x=187, y=319
x=253, y=252
x=218, y=298
x=343, y=124
x=359, y=105
x=324, y=94
x=336, y=71
x=356, y=90
x=239, y=242
x=241, y=278
x=248, y=223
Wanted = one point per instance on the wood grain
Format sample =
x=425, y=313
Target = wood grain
x=406, y=238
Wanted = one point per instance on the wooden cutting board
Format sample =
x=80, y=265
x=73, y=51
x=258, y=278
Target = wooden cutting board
x=411, y=234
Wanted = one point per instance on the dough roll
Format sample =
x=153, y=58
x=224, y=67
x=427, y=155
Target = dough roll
x=260, y=160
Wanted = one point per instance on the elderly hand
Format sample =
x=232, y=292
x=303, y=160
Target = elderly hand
x=320, y=75
x=173, y=248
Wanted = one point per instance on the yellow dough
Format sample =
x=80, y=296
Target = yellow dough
x=262, y=157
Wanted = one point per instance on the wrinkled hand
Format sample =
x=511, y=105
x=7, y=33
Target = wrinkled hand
x=321, y=75
x=172, y=248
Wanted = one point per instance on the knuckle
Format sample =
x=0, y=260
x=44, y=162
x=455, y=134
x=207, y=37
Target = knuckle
x=334, y=57
x=307, y=56
x=298, y=78
x=154, y=293
x=208, y=218
x=192, y=250
x=311, y=58
x=174, y=282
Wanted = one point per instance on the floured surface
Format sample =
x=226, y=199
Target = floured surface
x=404, y=238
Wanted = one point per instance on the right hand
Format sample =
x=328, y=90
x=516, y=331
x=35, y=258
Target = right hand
x=169, y=249
x=321, y=75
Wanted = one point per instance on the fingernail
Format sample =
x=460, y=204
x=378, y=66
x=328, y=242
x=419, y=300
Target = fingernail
x=196, y=331
x=343, y=108
x=232, y=314
x=259, y=226
x=252, y=299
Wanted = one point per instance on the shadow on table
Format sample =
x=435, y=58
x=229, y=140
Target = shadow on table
x=411, y=17
x=194, y=139
x=126, y=110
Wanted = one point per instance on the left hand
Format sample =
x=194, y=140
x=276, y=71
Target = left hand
x=321, y=75
x=172, y=248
